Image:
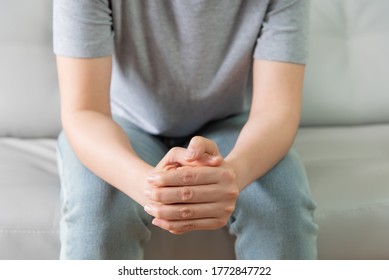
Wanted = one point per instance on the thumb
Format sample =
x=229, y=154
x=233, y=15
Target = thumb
x=203, y=149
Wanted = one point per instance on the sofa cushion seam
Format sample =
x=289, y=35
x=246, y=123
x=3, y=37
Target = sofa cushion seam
x=28, y=231
x=369, y=208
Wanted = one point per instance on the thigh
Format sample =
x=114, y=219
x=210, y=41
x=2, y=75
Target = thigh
x=274, y=215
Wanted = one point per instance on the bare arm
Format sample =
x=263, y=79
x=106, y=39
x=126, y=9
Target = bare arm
x=96, y=139
x=273, y=121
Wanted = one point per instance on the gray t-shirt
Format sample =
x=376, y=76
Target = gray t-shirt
x=178, y=64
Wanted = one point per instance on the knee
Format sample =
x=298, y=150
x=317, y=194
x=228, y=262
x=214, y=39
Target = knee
x=83, y=190
x=77, y=181
x=97, y=219
x=283, y=189
x=279, y=208
x=83, y=193
x=288, y=182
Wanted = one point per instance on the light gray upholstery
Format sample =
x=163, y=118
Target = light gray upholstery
x=343, y=141
x=348, y=168
x=346, y=80
x=29, y=199
x=29, y=100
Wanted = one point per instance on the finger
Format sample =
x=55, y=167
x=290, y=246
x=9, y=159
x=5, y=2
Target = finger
x=184, y=194
x=176, y=157
x=199, y=146
x=174, y=212
x=180, y=227
x=186, y=176
x=183, y=211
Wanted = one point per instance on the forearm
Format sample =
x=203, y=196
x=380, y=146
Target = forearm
x=97, y=140
x=273, y=122
x=263, y=141
x=104, y=148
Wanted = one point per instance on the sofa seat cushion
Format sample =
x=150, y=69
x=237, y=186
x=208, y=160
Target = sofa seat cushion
x=348, y=168
x=29, y=199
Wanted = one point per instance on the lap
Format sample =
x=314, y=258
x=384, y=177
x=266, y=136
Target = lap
x=284, y=189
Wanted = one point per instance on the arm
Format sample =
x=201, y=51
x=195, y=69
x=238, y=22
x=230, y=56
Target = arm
x=273, y=122
x=97, y=140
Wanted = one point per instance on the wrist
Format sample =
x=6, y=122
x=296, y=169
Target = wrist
x=135, y=180
x=239, y=169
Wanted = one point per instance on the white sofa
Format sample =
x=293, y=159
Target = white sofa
x=343, y=139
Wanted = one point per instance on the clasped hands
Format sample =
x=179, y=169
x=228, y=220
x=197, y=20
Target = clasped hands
x=192, y=189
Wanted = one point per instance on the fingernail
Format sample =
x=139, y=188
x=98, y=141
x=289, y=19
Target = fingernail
x=156, y=222
x=151, y=179
x=148, y=192
x=148, y=208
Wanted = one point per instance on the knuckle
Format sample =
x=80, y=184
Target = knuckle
x=229, y=209
x=180, y=227
x=171, y=165
x=220, y=223
x=171, y=157
x=174, y=150
x=229, y=175
x=188, y=177
x=185, y=193
x=233, y=194
x=188, y=226
x=185, y=213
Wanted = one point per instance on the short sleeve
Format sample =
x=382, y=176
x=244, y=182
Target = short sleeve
x=284, y=32
x=82, y=28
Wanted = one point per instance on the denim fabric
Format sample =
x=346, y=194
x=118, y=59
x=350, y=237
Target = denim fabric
x=273, y=218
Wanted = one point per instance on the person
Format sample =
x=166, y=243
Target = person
x=182, y=114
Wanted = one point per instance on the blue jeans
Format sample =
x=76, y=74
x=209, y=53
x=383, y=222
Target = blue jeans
x=273, y=218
